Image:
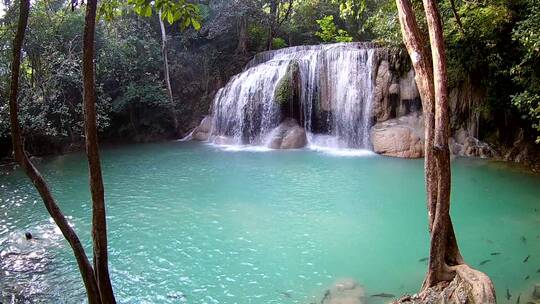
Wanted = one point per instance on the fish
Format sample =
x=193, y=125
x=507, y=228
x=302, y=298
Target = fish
x=423, y=260
x=538, y=271
x=484, y=262
x=526, y=259
x=489, y=241
x=524, y=239
x=286, y=294
x=519, y=297
x=384, y=295
x=508, y=295
x=527, y=277
x=495, y=253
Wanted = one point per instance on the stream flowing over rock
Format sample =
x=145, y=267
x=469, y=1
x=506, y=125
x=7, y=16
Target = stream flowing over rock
x=327, y=89
x=344, y=96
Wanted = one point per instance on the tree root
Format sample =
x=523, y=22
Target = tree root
x=468, y=286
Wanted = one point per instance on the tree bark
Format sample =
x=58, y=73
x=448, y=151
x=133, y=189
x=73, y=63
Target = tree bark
x=441, y=232
x=432, y=84
x=167, y=73
x=85, y=268
x=272, y=23
x=419, y=54
x=242, y=35
x=456, y=16
x=99, y=222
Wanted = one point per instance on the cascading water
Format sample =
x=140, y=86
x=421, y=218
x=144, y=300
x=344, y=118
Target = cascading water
x=336, y=83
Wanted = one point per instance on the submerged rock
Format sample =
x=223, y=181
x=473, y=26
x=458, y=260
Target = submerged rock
x=345, y=291
x=401, y=137
x=224, y=140
x=536, y=292
x=288, y=135
x=465, y=145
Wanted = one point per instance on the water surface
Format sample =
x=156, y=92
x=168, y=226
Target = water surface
x=196, y=224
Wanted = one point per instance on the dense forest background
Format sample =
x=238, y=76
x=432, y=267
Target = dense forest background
x=492, y=44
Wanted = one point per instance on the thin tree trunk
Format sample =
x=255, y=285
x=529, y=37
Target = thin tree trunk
x=433, y=91
x=85, y=268
x=272, y=24
x=167, y=74
x=99, y=222
x=242, y=35
x=456, y=16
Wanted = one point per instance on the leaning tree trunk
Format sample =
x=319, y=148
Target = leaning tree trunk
x=85, y=268
x=99, y=222
x=166, y=72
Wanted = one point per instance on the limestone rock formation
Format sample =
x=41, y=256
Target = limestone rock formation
x=400, y=137
x=202, y=132
x=462, y=144
x=345, y=291
x=381, y=107
x=288, y=135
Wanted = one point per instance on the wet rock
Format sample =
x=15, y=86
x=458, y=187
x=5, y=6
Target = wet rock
x=288, y=135
x=224, y=140
x=468, y=286
x=407, y=86
x=465, y=145
x=288, y=86
x=381, y=92
x=202, y=132
x=401, y=137
x=345, y=291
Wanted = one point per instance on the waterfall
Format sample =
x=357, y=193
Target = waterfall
x=336, y=83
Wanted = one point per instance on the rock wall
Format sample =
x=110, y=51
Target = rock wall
x=397, y=120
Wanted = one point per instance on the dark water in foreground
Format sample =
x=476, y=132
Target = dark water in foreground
x=192, y=223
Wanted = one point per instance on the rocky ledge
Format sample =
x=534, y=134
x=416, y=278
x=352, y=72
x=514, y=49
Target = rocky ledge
x=404, y=137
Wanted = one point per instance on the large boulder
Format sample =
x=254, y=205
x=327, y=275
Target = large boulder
x=202, y=132
x=288, y=135
x=345, y=291
x=400, y=137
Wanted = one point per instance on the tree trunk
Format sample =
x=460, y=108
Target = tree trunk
x=424, y=79
x=242, y=35
x=85, y=268
x=272, y=22
x=456, y=16
x=442, y=233
x=99, y=222
x=432, y=85
x=167, y=74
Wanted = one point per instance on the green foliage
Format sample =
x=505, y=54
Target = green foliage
x=186, y=13
x=526, y=73
x=529, y=103
x=330, y=33
x=278, y=43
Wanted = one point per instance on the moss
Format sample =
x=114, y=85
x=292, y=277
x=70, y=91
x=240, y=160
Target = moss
x=285, y=88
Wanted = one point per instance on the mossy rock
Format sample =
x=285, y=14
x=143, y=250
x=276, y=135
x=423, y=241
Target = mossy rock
x=288, y=86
